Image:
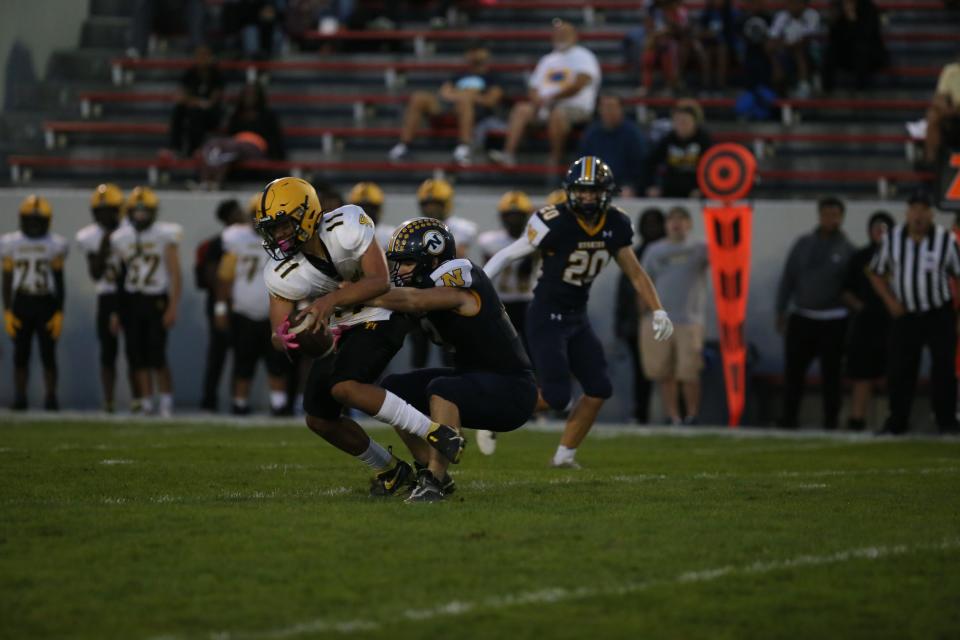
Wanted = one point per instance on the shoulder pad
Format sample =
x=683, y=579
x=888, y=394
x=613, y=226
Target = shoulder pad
x=60, y=244
x=284, y=279
x=453, y=273
x=173, y=232
x=347, y=228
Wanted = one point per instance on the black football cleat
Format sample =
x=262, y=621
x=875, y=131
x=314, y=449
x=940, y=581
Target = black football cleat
x=388, y=483
x=447, y=441
x=447, y=485
x=428, y=488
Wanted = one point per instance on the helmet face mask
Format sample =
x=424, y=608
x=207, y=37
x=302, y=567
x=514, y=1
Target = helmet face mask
x=107, y=217
x=282, y=236
x=142, y=218
x=590, y=187
x=434, y=208
x=34, y=225
x=514, y=222
x=420, y=243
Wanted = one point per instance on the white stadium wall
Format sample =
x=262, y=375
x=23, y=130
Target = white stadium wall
x=776, y=225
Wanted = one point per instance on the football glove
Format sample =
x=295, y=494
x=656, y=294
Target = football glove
x=662, y=327
x=55, y=324
x=11, y=323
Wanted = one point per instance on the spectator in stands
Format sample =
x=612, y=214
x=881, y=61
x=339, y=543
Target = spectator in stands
x=943, y=116
x=259, y=22
x=678, y=267
x=855, y=43
x=719, y=41
x=207, y=260
x=867, y=343
x=811, y=313
x=563, y=92
x=253, y=132
x=199, y=104
x=626, y=317
x=165, y=16
x=755, y=34
x=618, y=142
x=672, y=166
x=669, y=44
x=917, y=294
x=473, y=95
x=791, y=38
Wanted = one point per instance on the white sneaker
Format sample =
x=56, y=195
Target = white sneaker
x=461, y=155
x=398, y=152
x=566, y=464
x=486, y=442
x=503, y=158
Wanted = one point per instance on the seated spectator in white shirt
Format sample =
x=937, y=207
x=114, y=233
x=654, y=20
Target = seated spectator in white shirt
x=791, y=34
x=563, y=92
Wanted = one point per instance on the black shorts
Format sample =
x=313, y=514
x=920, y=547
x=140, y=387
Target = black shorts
x=363, y=352
x=107, y=304
x=34, y=312
x=867, y=347
x=251, y=342
x=486, y=399
x=143, y=330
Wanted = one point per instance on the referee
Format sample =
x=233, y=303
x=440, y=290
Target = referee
x=911, y=273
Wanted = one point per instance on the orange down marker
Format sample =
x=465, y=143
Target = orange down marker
x=725, y=175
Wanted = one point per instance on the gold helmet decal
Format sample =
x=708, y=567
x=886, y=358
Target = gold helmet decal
x=287, y=216
x=436, y=190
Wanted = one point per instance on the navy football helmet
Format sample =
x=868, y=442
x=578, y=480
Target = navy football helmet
x=425, y=241
x=589, y=173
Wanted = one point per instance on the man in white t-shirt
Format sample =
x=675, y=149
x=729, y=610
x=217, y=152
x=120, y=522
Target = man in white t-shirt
x=791, y=33
x=563, y=92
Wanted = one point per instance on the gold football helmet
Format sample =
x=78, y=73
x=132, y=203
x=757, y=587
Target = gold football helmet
x=106, y=204
x=142, y=205
x=35, y=216
x=287, y=216
x=514, y=209
x=557, y=196
x=369, y=197
x=436, y=198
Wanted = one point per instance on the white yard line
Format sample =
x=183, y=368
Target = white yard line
x=554, y=595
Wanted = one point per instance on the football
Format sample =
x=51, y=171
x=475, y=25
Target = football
x=315, y=345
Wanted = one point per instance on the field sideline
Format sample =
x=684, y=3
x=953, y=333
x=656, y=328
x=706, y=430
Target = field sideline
x=193, y=529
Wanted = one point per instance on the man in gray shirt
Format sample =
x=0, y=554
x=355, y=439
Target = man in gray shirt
x=678, y=267
x=811, y=312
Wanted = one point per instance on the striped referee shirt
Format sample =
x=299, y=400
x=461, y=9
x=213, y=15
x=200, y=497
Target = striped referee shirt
x=919, y=271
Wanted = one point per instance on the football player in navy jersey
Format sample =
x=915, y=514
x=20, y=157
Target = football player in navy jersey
x=491, y=384
x=576, y=239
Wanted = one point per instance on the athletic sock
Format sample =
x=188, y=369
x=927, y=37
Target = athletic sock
x=241, y=403
x=278, y=400
x=376, y=456
x=166, y=403
x=146, y=405
x=564, y=454
x=395, y=411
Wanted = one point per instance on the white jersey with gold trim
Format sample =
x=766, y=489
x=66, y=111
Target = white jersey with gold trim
x=32, y=261
x=513, y=283
x=142, y=255
x=89, y=239
x=464, y=231
x=249, y=295
x=346, y=233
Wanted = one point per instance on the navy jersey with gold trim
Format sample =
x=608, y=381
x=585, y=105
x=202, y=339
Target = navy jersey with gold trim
x=487, y=340
x=573, y=253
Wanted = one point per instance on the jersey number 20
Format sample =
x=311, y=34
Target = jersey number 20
x=583, y=266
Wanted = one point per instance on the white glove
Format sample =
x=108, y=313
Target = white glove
x=662, y=327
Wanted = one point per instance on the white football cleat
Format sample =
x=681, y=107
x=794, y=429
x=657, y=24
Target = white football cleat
x=566, y=464
x=486, y=442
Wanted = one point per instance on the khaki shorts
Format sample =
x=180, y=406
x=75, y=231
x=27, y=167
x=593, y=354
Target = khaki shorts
x=679, y=358
x=574, y=115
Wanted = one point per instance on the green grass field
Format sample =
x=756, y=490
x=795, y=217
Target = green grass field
x=112, y=530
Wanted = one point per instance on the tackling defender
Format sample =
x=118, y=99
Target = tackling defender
x=576, y=239
x=491, y=385
x=331, y=263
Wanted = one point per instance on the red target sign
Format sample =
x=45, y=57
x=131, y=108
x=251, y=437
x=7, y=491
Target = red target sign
x=726, y=172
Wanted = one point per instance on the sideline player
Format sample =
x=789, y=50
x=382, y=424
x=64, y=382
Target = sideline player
x=576, y=239
x=150, y=295
x=369, y=197
x=491, y=384
x=243, y=309
x=33, y=296
x=330, y=262
x=106, y=205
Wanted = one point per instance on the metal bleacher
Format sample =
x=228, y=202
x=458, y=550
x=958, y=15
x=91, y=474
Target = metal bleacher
x=340, y=100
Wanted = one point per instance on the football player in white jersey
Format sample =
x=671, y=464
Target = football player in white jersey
x=332, y=263
x=149, y=252
x=33, y=295
x=515, y=283
x=243, y=309
x=106, y=205
x=369, y=197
